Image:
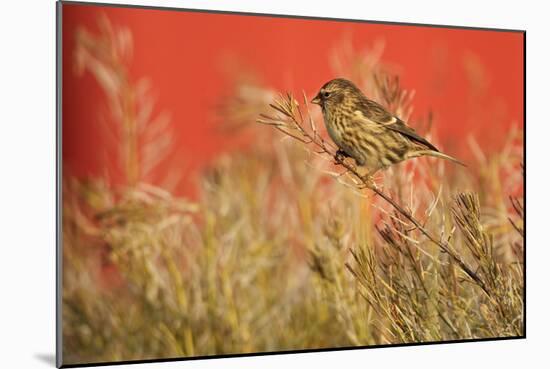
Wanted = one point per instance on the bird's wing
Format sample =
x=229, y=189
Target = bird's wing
x=371, y=112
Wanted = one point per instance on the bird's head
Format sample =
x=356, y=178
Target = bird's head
x=336, y=92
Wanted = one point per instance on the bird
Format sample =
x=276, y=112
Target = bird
x=364, y=130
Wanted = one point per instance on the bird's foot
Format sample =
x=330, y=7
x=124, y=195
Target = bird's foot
x=340, y=156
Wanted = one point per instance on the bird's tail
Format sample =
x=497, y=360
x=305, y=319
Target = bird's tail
x=436, y=154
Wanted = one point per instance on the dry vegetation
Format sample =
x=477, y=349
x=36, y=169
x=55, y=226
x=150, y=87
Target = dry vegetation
x=284, y=249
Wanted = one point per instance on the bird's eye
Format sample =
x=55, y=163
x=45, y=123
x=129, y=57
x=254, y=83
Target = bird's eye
x=326, y=94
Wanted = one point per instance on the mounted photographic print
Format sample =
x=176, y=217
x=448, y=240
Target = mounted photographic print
x=237, y=184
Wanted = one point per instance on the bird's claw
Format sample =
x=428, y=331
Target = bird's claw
x=340, y=156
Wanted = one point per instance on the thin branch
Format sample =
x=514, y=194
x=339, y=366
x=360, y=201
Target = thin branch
x=287, y=106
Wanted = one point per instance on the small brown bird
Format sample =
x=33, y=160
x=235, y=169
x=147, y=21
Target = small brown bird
x=365, y=131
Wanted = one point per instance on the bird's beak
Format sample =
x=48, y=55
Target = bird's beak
x=316, y=100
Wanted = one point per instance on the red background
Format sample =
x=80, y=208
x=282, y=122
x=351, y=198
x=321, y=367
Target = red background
x=181, y=53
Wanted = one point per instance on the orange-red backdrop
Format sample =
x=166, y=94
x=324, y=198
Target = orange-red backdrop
x=181, y=52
